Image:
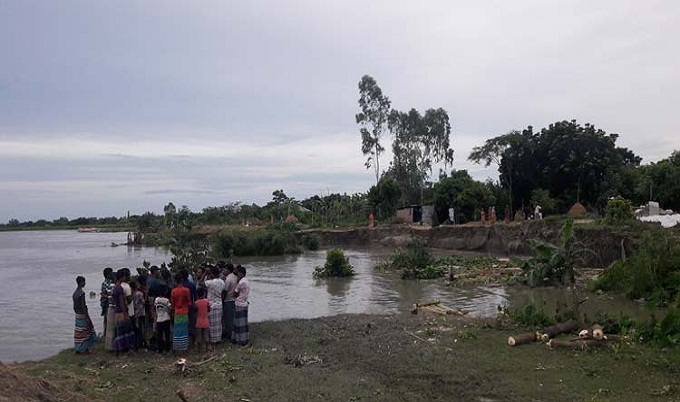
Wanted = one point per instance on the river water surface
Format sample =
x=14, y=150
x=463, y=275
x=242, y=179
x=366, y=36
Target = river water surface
x=38, y=271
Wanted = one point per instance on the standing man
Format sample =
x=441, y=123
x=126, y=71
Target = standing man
x=215, y=287
x=228, y=306
x=107, y=287
x=153, y=282
x=84, y=336
x=240, y=335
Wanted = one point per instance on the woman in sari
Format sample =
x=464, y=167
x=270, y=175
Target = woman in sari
x=124, y=337
x=180, y=299
x=84, y=336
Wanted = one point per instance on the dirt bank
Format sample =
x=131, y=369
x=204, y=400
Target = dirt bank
x=499, y=239
x=371, y=358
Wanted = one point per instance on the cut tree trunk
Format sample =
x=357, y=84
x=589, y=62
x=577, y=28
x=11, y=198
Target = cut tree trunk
x=598, y=333
x=563, y=328
x=523, y=339
x=580, y=344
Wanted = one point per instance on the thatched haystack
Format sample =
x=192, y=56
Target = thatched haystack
x=577, y=210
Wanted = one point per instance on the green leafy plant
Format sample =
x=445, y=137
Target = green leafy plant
x=310, y=242
x=531, y=316
x=652, y=272
x=552, y=264
x=619, y=211
x=337, y=265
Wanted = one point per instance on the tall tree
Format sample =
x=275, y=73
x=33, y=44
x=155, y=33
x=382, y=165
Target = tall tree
x=464, y=194
x=419, y=142
x=506, y=151
x=372, y=120
x=169, y=215
x=661, y=182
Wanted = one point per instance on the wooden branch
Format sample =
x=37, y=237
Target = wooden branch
x=414, y=335
x=209, y=360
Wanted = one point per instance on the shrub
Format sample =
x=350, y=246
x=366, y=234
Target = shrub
x=553, y=264
x=665, y=332
x=427, y=272
x=652, y=272
x=310, y=242
x=260, y=242
x=337, y=265
x=531, y=316
x=415, y=262
x=619, y=211
x=414, y=256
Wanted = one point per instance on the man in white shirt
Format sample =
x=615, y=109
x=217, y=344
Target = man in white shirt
x=215, y=286
x=240, y=333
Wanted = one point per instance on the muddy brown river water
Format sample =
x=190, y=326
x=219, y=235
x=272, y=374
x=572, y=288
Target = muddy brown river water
x=38, y=270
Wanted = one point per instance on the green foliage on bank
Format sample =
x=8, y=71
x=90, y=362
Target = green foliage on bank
x=651, y=273
x=336, y=266
x=619, y=211
x=553, y=264
x=257, y=242
x=531, y=316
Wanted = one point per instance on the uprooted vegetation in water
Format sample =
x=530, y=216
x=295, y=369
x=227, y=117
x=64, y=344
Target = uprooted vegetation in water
x=336, y=266
x=416, y=262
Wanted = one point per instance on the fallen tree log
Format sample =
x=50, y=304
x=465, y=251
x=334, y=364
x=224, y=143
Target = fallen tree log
x=563, y=328
x=579, y=344
x=523, y=338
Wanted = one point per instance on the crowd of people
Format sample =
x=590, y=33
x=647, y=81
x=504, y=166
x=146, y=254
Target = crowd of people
x=161, y=312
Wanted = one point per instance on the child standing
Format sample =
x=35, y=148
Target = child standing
x=163, y=308
x=202, y=321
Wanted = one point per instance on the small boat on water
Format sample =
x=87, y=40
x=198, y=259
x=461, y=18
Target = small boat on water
x=89, y=230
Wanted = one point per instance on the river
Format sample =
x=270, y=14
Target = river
x=38, y=271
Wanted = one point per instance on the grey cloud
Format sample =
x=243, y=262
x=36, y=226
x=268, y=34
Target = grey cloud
x=276, y=73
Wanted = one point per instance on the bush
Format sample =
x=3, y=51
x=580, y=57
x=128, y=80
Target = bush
x=428, y=272
x=414, y=256
x=619, y=211
x=652, y=272
x=337, y=265
x=415, y=262
x=552, y=264
x=310, y=242
x=661, y=333
x=531, y=316
x=260, y=242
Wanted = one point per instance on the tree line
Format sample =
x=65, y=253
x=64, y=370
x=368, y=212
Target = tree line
x=554, y=167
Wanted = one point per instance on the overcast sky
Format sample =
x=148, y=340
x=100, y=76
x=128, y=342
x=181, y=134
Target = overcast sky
x=107, y=107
